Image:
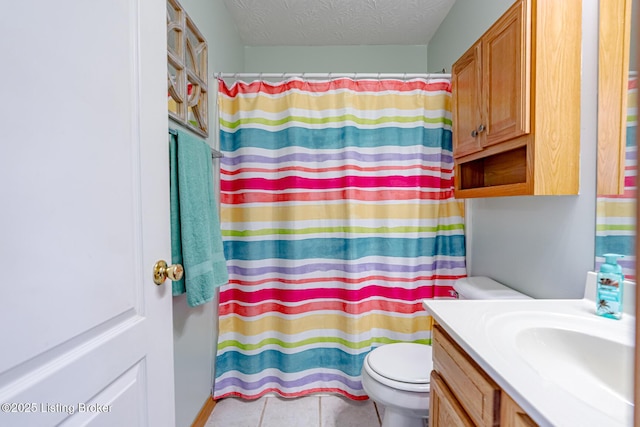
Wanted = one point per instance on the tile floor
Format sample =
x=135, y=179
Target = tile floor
x=311, y=411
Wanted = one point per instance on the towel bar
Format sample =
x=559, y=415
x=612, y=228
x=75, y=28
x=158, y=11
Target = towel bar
x=215, y=154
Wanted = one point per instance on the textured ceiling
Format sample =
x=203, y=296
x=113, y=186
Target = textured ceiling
x=337, y=22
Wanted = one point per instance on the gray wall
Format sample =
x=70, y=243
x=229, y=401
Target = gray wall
x=542, y=246
x=195, y=329
x=327, y=59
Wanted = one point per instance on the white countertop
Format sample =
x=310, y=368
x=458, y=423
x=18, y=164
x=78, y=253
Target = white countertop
x=483, y=327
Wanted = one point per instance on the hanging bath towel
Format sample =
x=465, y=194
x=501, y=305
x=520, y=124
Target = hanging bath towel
x=195, y=228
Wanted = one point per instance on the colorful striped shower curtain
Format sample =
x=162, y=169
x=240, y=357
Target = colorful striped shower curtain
x=338, y=219
x=616, y=225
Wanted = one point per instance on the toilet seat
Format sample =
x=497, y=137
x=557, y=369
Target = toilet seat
x=403, y=366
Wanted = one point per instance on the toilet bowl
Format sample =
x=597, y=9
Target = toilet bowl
x=397, y=375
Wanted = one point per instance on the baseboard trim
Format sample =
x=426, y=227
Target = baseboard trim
x=205, y=413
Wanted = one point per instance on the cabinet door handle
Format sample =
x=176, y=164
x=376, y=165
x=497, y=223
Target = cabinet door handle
x=474, y=133
x=481, y=128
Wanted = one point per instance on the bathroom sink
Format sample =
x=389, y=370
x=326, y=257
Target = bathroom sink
x=590, y=358
x=587, y=365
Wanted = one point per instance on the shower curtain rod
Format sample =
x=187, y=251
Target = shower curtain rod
x=402, y=76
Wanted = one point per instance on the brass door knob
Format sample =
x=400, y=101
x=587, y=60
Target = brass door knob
x=161, y=271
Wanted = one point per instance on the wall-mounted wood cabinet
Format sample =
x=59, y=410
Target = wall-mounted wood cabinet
x=462, y=394
x=516, y=104
x=614, y=45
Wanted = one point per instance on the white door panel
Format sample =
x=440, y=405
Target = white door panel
x=85, y=214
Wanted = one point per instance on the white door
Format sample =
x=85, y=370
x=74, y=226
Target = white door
x=85, y=334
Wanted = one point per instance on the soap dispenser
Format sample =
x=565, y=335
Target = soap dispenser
x=609, y=288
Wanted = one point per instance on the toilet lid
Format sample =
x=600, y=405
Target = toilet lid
x=405, y=362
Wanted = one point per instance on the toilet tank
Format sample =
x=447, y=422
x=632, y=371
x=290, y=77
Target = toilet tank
x=480, y=287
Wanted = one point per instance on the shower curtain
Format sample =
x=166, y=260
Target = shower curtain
x=338, y=219
x=616, y=227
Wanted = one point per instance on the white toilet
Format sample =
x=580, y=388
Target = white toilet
x=397, y=375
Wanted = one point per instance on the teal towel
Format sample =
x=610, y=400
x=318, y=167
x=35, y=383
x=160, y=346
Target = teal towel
x=196, y=241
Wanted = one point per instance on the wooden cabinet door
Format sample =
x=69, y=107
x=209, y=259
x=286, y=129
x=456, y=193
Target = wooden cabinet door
x=506, y=77
x=467, y=94
x=512, y=415
x=444, y=409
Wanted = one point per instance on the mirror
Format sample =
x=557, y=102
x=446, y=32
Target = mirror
x=617, y=123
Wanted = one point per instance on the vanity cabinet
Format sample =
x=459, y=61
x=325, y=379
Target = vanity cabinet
x=462, y=394
x=444, y=408
x=516, y=104
x=513, y=415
